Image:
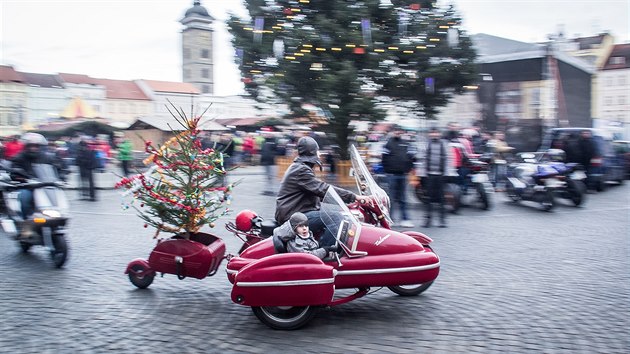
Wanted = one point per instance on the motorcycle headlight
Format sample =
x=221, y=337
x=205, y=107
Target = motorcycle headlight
x=52, y=213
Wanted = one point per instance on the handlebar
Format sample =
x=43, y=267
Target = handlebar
x=28, y=185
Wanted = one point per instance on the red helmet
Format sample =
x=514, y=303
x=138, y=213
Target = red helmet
x=246, y=219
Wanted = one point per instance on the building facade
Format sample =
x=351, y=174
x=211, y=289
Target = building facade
x=13, y=101
x=614, y=93
x=125, y=102
x=46, y=98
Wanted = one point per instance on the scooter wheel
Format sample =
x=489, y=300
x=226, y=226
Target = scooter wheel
x=410, y=290
x=141, y=282
x=285, y=317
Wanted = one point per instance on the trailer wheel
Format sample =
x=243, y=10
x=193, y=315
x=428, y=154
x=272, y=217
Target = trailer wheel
x=142, y=282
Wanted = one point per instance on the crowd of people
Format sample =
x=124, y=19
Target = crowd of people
x=89, y=154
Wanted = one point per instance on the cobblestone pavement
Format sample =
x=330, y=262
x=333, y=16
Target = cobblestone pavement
x=513, y=279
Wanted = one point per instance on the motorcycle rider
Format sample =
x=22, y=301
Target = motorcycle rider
x=33, y=153
x=301, y=191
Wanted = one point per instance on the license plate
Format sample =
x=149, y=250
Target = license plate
x=9, y=226
x=480, y=178
x=578, y=175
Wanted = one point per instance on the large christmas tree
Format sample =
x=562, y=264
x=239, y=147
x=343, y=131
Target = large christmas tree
x=344, y=55
x=183, y=188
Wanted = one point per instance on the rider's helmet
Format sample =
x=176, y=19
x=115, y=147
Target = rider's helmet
x=33, y=144
x=308, y=151
x=556, y=155
x=246, y=219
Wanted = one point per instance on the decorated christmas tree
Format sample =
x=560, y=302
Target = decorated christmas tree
x=183, y=188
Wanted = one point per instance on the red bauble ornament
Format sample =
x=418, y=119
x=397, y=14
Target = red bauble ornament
x=359, y=50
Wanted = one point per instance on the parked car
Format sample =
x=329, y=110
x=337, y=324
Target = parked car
x=605, y=166
x=622, y=149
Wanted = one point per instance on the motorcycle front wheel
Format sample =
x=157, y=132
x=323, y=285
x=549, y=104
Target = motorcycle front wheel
x=410, y=290
x=546, y=200
x=285, y=317
x=60, y=253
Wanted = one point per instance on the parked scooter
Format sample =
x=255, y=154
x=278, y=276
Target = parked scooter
x=50, y=216
x=532, y=181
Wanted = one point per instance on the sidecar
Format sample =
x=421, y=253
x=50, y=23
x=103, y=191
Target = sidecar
x=286, y=289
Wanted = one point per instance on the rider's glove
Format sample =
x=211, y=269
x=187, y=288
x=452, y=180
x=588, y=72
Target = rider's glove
x=332, y=248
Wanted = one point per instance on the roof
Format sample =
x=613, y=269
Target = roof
x=487, y=45
x=42, y=80
x=8, y=74
x=78, y=79
x=122, y=89
x=493, y=49
x=170, y=124
x=168, y=86
x=590, y=42
x=619, y=50
x=237, y=122
x=197, y=10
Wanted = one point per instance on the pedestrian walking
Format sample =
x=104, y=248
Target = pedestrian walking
x=268, y=153
x=124, y=154
x=398, y=161
x=86, y=160
x=436, y=166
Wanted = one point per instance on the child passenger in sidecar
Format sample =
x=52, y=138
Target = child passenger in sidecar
x=294, y=236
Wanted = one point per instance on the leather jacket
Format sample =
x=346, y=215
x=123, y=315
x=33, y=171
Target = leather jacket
x=301, y=191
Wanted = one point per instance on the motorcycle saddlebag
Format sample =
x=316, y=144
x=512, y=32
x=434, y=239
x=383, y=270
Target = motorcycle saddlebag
x=197, y=257
x=287, y=279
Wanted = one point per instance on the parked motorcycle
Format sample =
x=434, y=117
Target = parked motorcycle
x=573, y=180
x=285, y=290
x=532, y=181
x=50, y=215
x=476, y=189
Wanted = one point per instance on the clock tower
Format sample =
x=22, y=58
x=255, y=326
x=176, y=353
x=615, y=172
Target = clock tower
x=197, y=62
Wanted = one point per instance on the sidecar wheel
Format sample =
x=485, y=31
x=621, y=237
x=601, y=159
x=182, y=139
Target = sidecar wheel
x=285, y=317
x=60, y=253
x=142, y=282
x=410, y=290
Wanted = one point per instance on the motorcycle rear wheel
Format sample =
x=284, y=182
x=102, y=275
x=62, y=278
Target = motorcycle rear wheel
x=410, y=290
x=576, y=190
x=141, y=282
x=60, y=253
x=285, y=317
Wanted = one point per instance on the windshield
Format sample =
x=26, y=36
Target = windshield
x=45, y=172
x=339, y=220
x=367, y=185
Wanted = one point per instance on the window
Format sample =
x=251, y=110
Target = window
x=607, y=100
x=206, y=89
x=186, y=53
x=205, y=73
x=621, y=100
x=621, y=80
x=617, y=60
x=205, y=53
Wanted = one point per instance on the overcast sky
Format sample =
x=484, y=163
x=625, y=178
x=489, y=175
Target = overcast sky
x=140, y=39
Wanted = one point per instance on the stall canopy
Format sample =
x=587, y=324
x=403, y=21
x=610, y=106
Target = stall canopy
x=170, y=124
x=77, y=108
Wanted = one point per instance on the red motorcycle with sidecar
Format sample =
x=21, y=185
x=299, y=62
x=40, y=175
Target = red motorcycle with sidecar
x=285, y=290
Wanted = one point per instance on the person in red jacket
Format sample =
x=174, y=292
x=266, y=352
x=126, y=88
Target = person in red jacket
x=12, y=148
